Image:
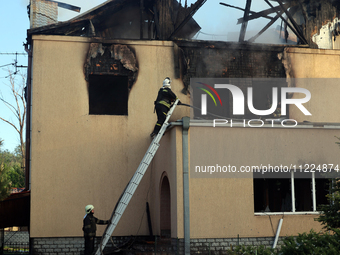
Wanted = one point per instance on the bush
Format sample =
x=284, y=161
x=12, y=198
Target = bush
x=330, y=217
x=250, y=250
x=312, y=243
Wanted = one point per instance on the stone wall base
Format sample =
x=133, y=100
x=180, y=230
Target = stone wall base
x=222, y=245
x=68, y=245
x=145, y=245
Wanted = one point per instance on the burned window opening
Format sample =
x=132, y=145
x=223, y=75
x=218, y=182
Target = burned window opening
x=275, y=195
x=108, y=95
x=111, y=71
x=115, y=59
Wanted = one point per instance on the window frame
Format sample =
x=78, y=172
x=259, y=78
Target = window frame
x=294, y=212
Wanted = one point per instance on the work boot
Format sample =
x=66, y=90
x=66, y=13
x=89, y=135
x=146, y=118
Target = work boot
x=152, y=135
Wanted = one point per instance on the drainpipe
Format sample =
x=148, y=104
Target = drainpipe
x=185, y=148
x=28, y=49
x=277, y=233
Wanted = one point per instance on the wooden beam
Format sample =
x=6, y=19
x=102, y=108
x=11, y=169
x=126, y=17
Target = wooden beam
x=262, y=13
x=198, y=4
x=66, y=6
x=265, y=28
x=305, y=15
x=289, y=25
x=141, y=19
x=290, y=17
x=245, y=21
x=238, y=8
x=156, y=22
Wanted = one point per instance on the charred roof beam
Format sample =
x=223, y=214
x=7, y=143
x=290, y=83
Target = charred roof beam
x=265, y=28
x=66, y=6
x=304, y=12
x=245, y=21
x=296, y=32
x=141, y=18
x=198, y=5
x=290, y=17
x=91, y=29
x=263, y=13
x=156, y=22
x=251, y=12
x=59, y=28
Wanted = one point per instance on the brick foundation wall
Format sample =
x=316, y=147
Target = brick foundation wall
x=74, y=245
x=222, y=245
x=213, y=246
x=68, y=245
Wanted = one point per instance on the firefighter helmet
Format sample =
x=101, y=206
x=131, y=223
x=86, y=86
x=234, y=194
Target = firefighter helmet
x=166, y=82
x=89, y=208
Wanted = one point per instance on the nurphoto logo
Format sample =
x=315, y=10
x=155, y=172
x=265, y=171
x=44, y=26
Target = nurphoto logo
x=256, y=100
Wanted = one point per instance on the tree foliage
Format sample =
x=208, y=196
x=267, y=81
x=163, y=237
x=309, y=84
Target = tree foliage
x=11, y=173
x=330, y=218
x=5, y=184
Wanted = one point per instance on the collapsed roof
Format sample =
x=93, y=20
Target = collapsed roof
x=303, y=18
x=130, y=19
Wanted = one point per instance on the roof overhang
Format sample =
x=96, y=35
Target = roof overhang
x=98, y=20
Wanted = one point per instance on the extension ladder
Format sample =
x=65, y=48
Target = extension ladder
x=134, y=182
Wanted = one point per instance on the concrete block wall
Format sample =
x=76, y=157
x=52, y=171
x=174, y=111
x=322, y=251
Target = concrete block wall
x=220, y=246
x=213, y=246
x=67, y=245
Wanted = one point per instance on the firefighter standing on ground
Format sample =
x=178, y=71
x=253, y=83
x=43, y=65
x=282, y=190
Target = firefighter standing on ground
x=90, y=228
x=162, y=104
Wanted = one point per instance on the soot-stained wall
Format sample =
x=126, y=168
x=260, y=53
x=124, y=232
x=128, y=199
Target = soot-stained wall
x=231, y=60
x=228, y=60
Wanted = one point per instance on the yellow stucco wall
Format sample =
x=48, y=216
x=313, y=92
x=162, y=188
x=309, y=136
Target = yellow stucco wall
x=168, y=160
x=322, y=69
x=80, y=159
x=224, y=207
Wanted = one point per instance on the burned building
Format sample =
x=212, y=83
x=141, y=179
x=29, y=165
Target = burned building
x=92, y=85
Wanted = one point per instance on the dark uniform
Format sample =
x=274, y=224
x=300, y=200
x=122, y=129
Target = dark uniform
x=90, y=229
x=162, y=106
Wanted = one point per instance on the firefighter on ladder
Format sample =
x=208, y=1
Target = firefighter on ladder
x=162, y=104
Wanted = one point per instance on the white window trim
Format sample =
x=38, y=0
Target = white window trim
x=287, y=213
x=294, y=212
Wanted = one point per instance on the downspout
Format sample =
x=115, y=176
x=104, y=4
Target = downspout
x=185, y=148
x=28, y=49
x=277, y=233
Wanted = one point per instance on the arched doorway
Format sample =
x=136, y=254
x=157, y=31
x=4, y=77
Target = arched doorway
x=165, y=208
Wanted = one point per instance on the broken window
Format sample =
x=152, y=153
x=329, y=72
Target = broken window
x=108, y=94
x=289, y=194
x=111, y=71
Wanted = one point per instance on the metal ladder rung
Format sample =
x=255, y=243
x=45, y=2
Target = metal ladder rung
x=131, y=189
